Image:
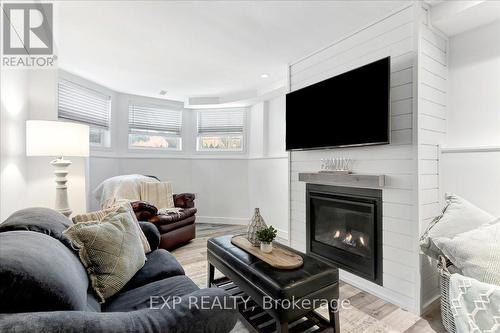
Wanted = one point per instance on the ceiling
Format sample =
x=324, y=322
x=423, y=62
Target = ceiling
x=455, y=17
x=200, y=48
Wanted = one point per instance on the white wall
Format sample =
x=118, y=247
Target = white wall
x=276, y=127
x=474, y=118
x=474, y=110
x=257, y=137
x=13, y=164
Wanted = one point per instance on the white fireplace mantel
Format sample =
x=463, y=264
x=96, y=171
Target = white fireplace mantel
x=351, y=179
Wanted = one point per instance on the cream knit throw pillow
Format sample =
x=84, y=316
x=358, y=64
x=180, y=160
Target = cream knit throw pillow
x=458, y=216
x=101, y=214
x=110, y=250
x=475, y=252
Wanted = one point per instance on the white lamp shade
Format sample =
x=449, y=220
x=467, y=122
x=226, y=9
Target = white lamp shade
x=56, y=138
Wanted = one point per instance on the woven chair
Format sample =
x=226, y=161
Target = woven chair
x=446, y=268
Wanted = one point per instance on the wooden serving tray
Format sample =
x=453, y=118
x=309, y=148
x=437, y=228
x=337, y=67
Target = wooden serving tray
x=279, y=257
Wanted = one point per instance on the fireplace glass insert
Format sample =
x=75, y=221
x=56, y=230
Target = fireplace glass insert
x=344, y=227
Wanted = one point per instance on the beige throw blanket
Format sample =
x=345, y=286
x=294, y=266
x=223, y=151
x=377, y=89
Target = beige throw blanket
x=128, y=188
x=158, y=194
x=119, y=188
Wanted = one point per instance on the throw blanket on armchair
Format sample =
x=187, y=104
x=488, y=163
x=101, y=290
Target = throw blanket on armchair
x=158, y=194
x=116, y=189
x=475, y=305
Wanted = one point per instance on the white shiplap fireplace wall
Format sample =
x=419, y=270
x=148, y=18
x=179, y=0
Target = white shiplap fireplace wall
x=405, y=162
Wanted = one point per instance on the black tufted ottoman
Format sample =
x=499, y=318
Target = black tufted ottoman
x=280, y=300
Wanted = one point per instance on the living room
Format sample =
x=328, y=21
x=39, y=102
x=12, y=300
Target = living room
x=388, y=110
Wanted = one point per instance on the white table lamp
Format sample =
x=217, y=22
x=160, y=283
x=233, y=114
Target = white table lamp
x=58, y=139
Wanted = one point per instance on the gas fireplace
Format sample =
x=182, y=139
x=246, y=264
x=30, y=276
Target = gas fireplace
x=344, y=226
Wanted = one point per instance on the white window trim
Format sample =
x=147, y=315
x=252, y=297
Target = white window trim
x=222, y=152
x=163, y=134
x=105, y=137
x=207, y=150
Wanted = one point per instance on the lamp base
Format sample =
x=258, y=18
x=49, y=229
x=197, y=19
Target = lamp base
x=61, y=173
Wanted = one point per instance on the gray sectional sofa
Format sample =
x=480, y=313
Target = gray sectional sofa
x=45, y=288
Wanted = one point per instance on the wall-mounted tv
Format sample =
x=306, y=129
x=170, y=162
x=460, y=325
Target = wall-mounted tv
x=350, y=109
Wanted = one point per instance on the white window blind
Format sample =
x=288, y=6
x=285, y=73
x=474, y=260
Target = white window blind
x=83, y=105
x=221, y=121
x=155, y=118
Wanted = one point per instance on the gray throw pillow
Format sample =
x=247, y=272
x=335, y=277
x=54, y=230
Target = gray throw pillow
x=110, y=250
x=44, y=220
x=457, y=217
x=39, y=273
x=476, y=252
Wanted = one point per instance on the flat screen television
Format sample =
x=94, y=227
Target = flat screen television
x=350, y=109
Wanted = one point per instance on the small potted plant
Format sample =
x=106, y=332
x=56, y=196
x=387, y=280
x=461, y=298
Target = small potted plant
x=266, y=237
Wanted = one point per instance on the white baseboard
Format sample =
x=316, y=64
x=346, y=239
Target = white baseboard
x=222, y=220
x=282, y=234
x=388, y=295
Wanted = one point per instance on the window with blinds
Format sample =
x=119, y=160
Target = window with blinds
x=80, y=104
x=154, y=127
x=221, y=130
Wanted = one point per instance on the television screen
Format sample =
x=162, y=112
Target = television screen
x=350, y=109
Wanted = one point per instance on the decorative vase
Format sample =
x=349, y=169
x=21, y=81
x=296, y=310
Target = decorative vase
x=266, y=247
x=257, y=223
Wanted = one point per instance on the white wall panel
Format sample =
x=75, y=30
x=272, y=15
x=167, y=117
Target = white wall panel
x=401, y=77
x=434, y=66
x=401, y=107
x=392, y=36
x=432, y=109
x=433, y=99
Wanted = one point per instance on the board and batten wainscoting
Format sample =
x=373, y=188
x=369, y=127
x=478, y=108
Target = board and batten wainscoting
x=477, y=168
x=409, y=163
x=227, y=189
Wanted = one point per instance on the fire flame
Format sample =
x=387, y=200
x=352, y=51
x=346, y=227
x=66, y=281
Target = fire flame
x=348, y=238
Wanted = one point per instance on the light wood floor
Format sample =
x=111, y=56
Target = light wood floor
x=367, y=313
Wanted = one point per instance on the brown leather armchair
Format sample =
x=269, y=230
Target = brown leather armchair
x=175, y=228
